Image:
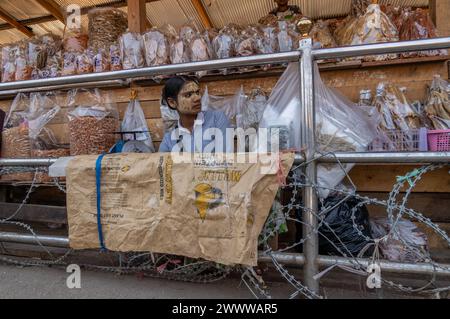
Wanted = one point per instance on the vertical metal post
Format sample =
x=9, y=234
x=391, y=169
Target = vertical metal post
x=310, y=202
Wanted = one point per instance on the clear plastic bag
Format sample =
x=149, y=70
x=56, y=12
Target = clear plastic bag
x=132, y=51
x=70, y=64
x=85, y=63
x=224, y=46
x=418, y=25
x=115, y=59
x=170, y=118
x=340, y=127
x=394, y=248
x=252, y=110
x=157, y=49
x=229, y=105
x=134, y=121
x=101, y=61
x=9, y=63
x=199, y=51
x=75, y=41
x=106, y=25
x=437, y=106
x=15, y=135
x=285, y=41
x=93, y=122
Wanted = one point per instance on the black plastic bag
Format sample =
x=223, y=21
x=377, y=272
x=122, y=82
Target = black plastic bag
x=338, y=229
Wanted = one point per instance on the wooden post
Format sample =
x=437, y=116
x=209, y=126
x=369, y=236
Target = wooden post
x=440, y=13
x=137, y=16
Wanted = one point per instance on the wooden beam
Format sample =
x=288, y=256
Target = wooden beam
x=204, y=17
x=53, y=8
x=137, y=16
x=16, y=24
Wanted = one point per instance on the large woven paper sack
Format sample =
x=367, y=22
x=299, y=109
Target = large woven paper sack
x=205, y=207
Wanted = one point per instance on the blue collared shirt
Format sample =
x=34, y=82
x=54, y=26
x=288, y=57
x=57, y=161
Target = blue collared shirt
x=207, y=128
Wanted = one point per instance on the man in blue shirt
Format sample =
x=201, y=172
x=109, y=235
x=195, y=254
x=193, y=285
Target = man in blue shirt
x=197, y=131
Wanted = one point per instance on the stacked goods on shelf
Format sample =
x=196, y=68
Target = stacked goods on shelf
x=93, y=122
x=438, y=104
x=106, y=25
x=132, y=51
x=76, y=56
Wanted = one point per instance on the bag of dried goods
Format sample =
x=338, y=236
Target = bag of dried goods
x=252, y=110
x=341, y=127
x=15, y=135
x=101, y=60
x=93, y=122
x=75, y=40
x=134, y=122
x=372, y=27
x=106, y=25
x=230, y=105
x=321, y=35
x=170, y=118
x=285, y=41
x=199, y=51
x=115, y=58
x=438, y=104
x=9, y=63
x=418, y=25
x=157, y=49
x=45, y=115
x=70, y=64
x=132, y=51
x=85, y=63
x=224, y=46
x=23, y=68
x=50, y=58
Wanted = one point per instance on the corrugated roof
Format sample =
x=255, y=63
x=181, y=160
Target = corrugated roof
x=179, y=12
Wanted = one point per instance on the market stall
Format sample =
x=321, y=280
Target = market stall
x=410, y=73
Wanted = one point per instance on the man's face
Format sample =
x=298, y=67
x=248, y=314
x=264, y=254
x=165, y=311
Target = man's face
x=189, y=99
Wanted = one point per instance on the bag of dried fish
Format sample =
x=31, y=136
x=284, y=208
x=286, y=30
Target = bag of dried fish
x=132, y=51
x=106, y=25
x=438, y=104
x=93, y=122
x=372, y=27
x=23, y=68
x=85, y=63
x=285, y=41
x=321, y=35
x=70, y=64
x=224, y=46
x=157, y=49
x=101, y=61
x=9, y=63
x=199, y=52
x=75, y=41
x=418, y=25
x=253, y=109
x=115, y=59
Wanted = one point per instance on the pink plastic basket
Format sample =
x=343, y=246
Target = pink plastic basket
x=401, y=141
x=439, y=141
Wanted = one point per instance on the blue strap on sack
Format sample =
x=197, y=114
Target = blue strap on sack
x=98, y=179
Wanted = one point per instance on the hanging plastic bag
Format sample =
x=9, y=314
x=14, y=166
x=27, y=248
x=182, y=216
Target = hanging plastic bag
x=170, y=118
x=44, y=143
x=342, y=228
x=438, y=104
x=93, y=122
x=405, y=243
x=253, y=110
x=224, y=46
x=339, y=128
x=132, y=51
x=15, y=135
x=230, y=105
x=134, y=122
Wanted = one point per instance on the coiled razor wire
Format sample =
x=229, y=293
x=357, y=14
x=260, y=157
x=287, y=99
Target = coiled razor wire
x=199, y=271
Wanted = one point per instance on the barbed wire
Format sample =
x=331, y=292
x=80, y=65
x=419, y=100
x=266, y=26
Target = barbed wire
x=200, y=271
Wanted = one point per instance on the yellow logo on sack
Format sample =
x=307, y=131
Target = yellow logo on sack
x=207, y=197
x=126, y=168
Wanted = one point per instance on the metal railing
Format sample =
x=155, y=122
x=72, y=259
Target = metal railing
x=306, y=55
